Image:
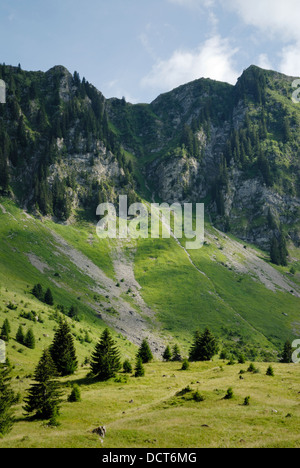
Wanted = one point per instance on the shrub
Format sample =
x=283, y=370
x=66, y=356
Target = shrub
x=229, y=395
x=252, y=369
x=185, y=365
x=75, y=395
x=127, y=367
x=184, y=391
x=270, y=371
x=198, y=397
x=246, y=401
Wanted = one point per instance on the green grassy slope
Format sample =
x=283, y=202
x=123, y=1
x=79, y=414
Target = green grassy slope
x=148, y=413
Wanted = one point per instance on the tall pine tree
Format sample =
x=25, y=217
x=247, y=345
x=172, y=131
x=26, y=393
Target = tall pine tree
x=63, y=351
x=145, y=352
x=106, y=358
x=7, y=400
x=204, y=348
x=43, y=398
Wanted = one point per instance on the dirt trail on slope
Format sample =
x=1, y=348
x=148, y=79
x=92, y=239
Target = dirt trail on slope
x=135, y=321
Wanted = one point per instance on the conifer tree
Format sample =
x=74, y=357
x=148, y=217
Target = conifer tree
x=127, y=367
x=106, y=358
x=48, y=299
x=7, y=399
x=5, y=331
x=145, y=352
x=43, y=398
x=274, y=252
x=287, y=353
x=204, y=348
x=167, y=356
x=75, y=395
x=176, y=355
x=37, y=291
x=63, y=351
x=20, y=337
x=139, y=368
x=29, y=340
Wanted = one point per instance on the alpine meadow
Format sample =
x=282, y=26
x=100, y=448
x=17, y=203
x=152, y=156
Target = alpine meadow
x=139, y=341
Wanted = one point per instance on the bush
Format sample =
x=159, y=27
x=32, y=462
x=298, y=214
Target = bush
x=246, y=401
x=127, y=367
x=75, y=395
x=184, y=391
x=242, y=359
x=270, y=371
x=198, y=397
x=229, y=395
x=185, y=365
x=252, y=369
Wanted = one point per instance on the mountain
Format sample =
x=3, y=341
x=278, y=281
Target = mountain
x=65, y=148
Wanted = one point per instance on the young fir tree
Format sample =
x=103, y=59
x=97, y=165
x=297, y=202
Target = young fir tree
x=145, y=352
x=167, y=356
x=106, y=358
x=43, y=398
x=287, y=353
x=63, y=351
x=127, y=367
x=75, y=394
x=20, y=337
x=139, y=368
x=37, y=291
x=29, y=340
x=204, y=348
x=5, y=331
x=7, y=400
x=176, y=355
x=48, y=298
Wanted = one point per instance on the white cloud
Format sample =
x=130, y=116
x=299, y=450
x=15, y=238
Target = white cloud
x=264, y=62
x=279, y=20
x=213, y=59
x=290, y=60
x=271, y=16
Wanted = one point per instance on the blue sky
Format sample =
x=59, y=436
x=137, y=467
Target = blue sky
x=141, y=48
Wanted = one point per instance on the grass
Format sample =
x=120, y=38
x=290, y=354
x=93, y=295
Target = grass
x=150, y=412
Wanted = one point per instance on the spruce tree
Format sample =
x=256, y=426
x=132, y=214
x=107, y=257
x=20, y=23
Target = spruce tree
x=43, y=398
x=176, y=355
x=37, y=291
x=204, y=348
x=20, y=335
x=139, y=368
x=106, y=358
x=63, y=351
x=7, y=400
x=127, y=367
x=145, y=352
x=29, y=340
x=275, y=252
x=5, y=331
x=75, y=394
x=48, y=299
x=167, y=356
x=287, y=353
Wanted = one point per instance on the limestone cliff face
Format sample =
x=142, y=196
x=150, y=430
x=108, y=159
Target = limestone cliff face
x=235, y=147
